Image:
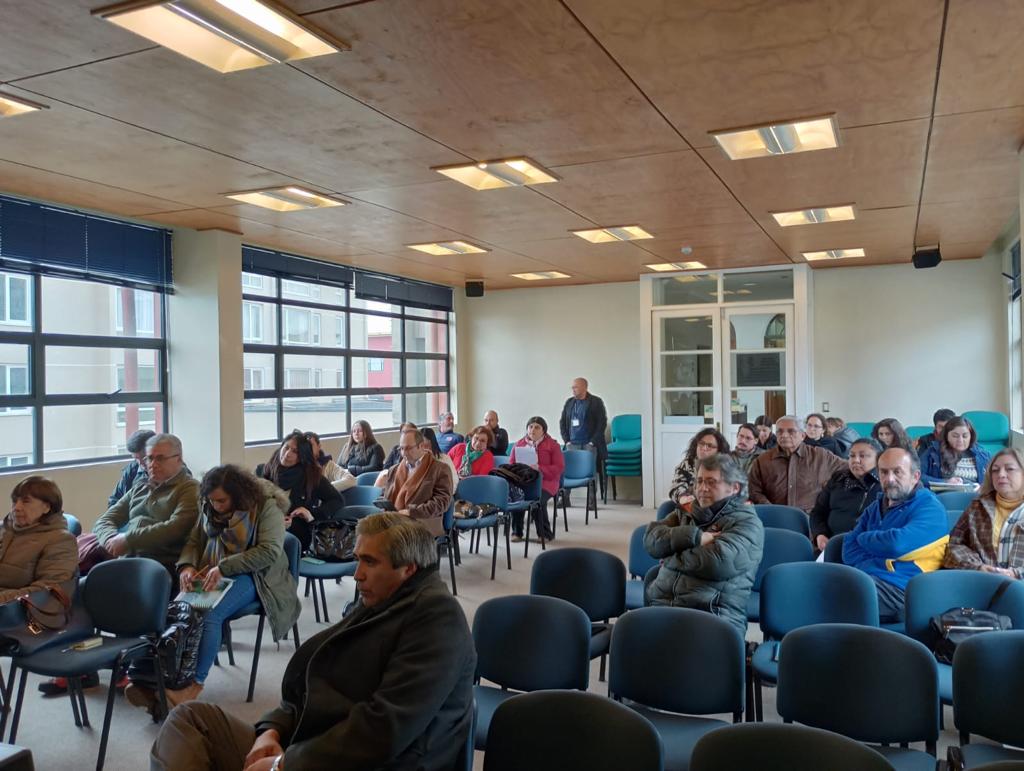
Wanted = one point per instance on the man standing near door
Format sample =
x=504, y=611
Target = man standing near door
x=583, y=423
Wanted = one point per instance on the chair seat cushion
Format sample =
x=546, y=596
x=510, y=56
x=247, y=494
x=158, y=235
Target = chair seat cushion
x=570, y=483
x=54, y=662
x=679, y=733
x=600, y=640
x=625, y=446
x=754, y=606
x=622, y=468
x=900, y=627
x=520, y=505
x=477, y=524
x=326, y=570
x=906, y=759
x=979, y=754
x=252, y=609
x=762, y=663
x=945, y=683
x=488, y=699
x=634, y=594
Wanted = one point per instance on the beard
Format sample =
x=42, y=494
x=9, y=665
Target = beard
x=896, y=494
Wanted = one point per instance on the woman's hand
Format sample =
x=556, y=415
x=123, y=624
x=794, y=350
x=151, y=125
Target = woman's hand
x=684, y=500
x=822, y=541
x=185, y=578
x=998, y=571
x=213, y=579
x=267, y=745
x=303, y=513
x=955, y=481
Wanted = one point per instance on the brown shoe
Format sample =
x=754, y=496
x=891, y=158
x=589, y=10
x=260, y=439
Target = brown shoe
x=188, y=693
x=140, y=696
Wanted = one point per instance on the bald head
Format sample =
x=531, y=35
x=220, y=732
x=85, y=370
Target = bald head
x=579, y=387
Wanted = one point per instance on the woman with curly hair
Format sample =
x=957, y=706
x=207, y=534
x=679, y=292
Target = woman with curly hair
x=705, y=443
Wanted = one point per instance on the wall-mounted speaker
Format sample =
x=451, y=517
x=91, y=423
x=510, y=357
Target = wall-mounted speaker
x=927, y=258
x=474, y=289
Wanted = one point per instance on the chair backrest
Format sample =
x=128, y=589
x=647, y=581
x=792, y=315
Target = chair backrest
x=448, y=518
x=361, y=495
x=588, y=578
x=367, y=478
x=862, y=429
x=991, y=427
x=293, y=551
x=781, y=746
x=74, y=526
x=834, y=549
x=677, y=659
x=957, y=501
x=916, y=432
x=782, y=546
x=560, y=730
x=798, y=594
x=988, y=687
x=626, y=427
x=639, y=560
x=929, y=594
x=483, y=489
x=529, y=643
x=500, y=460
x=868, y=667
x=357, y=512
x=783, y=517
x=579, y=464
x=128, y=597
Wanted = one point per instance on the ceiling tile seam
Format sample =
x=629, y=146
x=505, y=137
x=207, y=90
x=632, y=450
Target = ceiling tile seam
x=931, y=120
x=15, y=81
x=670, y=124
x=336, y=7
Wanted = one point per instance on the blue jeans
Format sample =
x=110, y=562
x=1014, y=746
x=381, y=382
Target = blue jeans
x=241, y=593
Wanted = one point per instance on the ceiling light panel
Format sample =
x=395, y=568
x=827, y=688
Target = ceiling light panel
x=290, y=198
x=14, y=105
x=613, y=233
x=815, y=216
x=445, y=248
x=491, y=175
x=664, y=267
x=779, y=138
x=540, y=275
x=833, y=254
x=225, y=35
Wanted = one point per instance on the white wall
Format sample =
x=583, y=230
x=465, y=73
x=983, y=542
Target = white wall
x=892, y=341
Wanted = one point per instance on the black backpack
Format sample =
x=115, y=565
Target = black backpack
x=178, y=648
x=951, y=628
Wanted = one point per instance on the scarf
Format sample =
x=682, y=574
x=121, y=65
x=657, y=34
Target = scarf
x=1004, y=535
x=406, y=483
x=468, y=459
x=226, y=534
x=705, y=516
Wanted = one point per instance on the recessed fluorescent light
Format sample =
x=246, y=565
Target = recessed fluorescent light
x=442, y=248
x=613, y=233
x=15, y=105
x=540, y=275
x=815, y=216
x=489, y=175
x=226, y=35
x=833, y=254
x=663, y=267
x=779, y=138
x=290, y=198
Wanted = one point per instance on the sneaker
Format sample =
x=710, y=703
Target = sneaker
x=140, y=696
x=517, y=539
x=188, y=693
x=58, y=686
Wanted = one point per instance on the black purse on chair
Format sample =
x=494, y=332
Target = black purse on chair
x=334, y=540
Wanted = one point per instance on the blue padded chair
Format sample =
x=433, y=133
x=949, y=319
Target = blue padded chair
x=799, y=594
x=668, y=507
x=464, y=762
x=560, y=730
x=624, y=453
x=126, y=599
x=992, y=428
x=916, y=432
x=930, y=594
x=580, y=471
x=590, y=579
x=988, y=697
x=367, y=479
x=361, y=495
x=779, y=546
x=527, y=643
x=317, y=572
x=74, y=526
x=445, y=543
x=528, y=505
x=485, y=489
x=699, y=671
x=782, y=747
x=834, y=549
x=869, y=684
x=783, y=517
x=292, y=550
x=639, y=563
x=500, y=460
x=956, y=501
x=862, y=429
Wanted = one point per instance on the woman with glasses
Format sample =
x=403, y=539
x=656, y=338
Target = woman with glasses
x=705, y=443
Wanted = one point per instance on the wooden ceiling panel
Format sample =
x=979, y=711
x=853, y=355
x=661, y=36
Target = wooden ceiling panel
x=509, y=215
x=972, y=222
x=873, y=229
x=44, y=35
x=719, y=246
x=716, y=64
x=975, y=156
x=275, y=117
x=491, y=78
x=980, y=69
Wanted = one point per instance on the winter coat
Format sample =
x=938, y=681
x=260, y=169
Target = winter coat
x=361, y=459
x=37, y=557
x=794, y=479
x=550, y=462
x=482, y=466
x=931, y=463
x=971, y=544
x=845, y=439
x=841, y=501
x=745, y=460
x=595, y=423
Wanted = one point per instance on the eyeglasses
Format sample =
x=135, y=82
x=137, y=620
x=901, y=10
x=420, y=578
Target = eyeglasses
x=160, y=458
x=708, y=445
x=702, y=482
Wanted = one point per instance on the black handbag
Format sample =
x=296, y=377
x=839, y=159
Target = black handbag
x=951, y=628
x=334, y=541
x=41, y=619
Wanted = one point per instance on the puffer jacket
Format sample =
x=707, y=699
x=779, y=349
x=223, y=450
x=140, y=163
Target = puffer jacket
x=37, y=557
x=717, y=577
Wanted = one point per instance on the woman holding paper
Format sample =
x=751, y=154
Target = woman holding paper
x=539, y=451
x=239, y=536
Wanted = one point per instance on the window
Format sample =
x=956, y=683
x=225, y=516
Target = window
x=9, y=461
x=252, y=281
x=253, y=378
x=143, y=306
x=252, y=322
x=375, y=365
x=15, y=299
x=301, y=326
x=1016, y=339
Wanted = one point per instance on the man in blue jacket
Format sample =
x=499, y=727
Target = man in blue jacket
x=903, y=533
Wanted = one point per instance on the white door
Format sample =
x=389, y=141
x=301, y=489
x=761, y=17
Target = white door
x=687, y=386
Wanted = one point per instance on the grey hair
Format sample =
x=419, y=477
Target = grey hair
x=730, y=469
x=170, y=439
x=915, y=461
x=795, y=418
x=406, y=541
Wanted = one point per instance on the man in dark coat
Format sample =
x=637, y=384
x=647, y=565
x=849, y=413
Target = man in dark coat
x=583, y=423
x=390, y=687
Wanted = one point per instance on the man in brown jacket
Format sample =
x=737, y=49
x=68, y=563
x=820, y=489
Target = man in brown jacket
x=418, y=485
x=791, y=474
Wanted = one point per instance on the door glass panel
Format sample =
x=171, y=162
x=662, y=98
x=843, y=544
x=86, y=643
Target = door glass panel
x=692, y=333
x=758, y=369
x=687, y=370
x=757, y=331
x=687, y=407
x=758, y=287
x=747, y=404
x=686, y=290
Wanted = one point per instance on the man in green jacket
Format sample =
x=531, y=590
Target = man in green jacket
x=710, y=555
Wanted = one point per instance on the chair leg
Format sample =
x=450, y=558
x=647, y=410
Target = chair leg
x=749, y=677
x=594, y=484
x=73, y=686
x=494, y=551
x=758, y=700
x=526, y=540
x=451, y=564
x=508, y=543
x=104, y=735
x=256, y=657
x=615, y=491
x=15, y=719
x=323, y=600
x=226, y=637
x=457, y=545
x=8, y=691
x=565, y=512
x=316, y=599
x=601, y=673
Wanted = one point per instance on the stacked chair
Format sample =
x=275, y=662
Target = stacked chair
x=623, y=451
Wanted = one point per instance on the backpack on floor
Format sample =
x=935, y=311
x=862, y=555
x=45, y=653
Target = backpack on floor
x=178, y=648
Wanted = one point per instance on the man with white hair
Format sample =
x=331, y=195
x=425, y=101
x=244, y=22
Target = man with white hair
x=791, y=474
x=447, y=436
